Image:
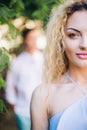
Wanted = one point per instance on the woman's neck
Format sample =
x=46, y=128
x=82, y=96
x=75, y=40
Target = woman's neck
x=78, y=74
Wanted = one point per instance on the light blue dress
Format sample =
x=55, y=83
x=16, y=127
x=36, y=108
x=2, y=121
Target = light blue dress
x=73, y=117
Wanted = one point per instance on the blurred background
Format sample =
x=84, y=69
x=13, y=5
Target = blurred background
x=16, y=15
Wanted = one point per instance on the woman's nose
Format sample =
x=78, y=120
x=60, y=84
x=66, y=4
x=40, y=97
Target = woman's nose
x=83, y=43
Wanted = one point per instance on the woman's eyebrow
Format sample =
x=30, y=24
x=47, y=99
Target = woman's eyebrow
x=73, y=29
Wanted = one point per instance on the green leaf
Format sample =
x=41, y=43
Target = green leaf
x=2, y=106
x=2, y=82
x=4, y=59
x=12, y=31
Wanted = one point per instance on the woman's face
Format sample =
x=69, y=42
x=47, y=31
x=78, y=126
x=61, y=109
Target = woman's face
x=76, y=39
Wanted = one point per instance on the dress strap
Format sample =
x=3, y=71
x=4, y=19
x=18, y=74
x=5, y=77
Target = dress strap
x=75, y=83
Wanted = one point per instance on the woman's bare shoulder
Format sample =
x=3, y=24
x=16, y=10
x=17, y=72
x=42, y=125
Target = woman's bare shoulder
x=40, y=99
x=41, y=91
x=39, y=108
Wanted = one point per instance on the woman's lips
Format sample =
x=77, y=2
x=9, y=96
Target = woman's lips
x=82, y=55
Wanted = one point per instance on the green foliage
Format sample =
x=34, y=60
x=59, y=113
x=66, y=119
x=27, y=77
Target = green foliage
x=40, y=9
x=2, y=82
x=4, y=63
x=18, y=6
x=2, y=106
x=4, y=60
x=13, y=32
x=37, y=9
x=6, y=14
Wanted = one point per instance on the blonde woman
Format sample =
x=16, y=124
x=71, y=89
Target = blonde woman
x=61, y=102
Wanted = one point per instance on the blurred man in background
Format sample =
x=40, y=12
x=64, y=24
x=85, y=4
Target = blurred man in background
x=24, y=75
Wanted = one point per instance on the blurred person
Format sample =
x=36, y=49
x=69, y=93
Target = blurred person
x=24, y=75
x=62, y=100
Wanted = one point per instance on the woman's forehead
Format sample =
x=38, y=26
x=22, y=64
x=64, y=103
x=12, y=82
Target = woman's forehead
x=77, y=20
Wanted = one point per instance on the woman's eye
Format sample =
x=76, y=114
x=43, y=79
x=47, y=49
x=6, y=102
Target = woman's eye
x=73, y=35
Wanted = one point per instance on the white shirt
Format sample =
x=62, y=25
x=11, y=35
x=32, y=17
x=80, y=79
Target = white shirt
x=24, y=75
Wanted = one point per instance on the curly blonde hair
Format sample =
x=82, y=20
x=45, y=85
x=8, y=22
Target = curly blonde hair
x=56, y=61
